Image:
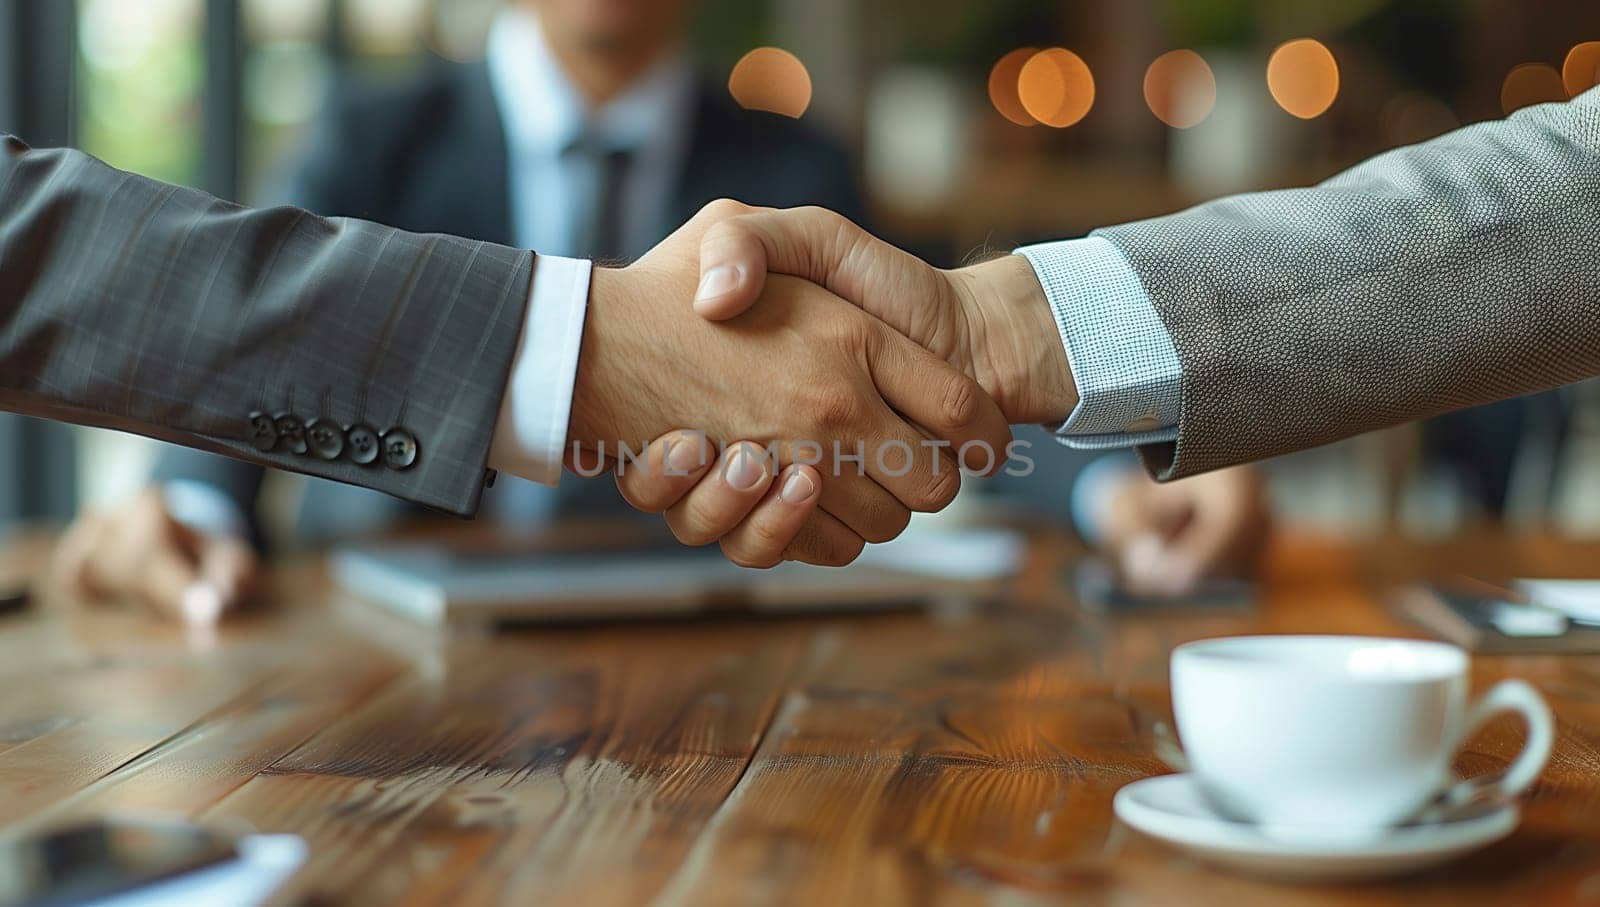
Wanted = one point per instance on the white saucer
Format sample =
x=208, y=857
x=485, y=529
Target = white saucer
x=1170, y=808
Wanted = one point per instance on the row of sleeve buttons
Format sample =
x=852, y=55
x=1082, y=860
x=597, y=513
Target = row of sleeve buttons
x=327, y=440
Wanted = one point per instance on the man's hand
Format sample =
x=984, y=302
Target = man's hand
x=1166, y=539
x=805, y=375
x=990, y=320
x=139, y=553
x=734, y=499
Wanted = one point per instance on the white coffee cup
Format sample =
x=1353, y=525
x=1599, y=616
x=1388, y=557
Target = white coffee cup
x=1337, y=733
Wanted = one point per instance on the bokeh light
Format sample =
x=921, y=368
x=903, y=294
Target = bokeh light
x=1180, y=89
x=286, y=82
x=1003, y=79
x=1056, y=87
x=385, y=27
x=460, y=31
x=1582, y=69
x=284, y=20
x=1303, y=77
x=120, y=37
x=1530, y=84
x=771, y=79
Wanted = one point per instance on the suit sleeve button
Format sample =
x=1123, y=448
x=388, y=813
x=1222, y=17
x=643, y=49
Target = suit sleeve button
x=362, y=442
x=326, y=439
x=263, y=433
x=292, y=431
x=399, y=449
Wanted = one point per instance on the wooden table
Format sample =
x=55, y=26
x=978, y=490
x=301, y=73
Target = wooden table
x=900, y=759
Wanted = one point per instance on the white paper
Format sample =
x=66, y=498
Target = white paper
x=969, y=554
x=1578, y=599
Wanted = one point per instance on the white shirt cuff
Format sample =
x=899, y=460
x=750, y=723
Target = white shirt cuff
x=531, y=434
x=1123, y=360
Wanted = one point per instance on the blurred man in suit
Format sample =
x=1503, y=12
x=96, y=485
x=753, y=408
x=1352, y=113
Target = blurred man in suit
x=587, y=132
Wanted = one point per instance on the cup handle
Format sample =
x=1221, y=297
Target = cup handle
x=1508, y=696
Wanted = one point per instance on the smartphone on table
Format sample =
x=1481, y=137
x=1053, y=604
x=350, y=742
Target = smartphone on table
x=84, y=863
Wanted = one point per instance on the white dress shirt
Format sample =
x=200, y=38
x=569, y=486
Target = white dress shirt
x=545, y=115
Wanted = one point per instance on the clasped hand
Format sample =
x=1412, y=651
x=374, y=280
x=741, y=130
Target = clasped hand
x=799, y=417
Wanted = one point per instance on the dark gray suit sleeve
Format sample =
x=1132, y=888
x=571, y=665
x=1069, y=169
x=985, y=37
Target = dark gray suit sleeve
x=1428, y=279
x=319, y=180
x=130, y=304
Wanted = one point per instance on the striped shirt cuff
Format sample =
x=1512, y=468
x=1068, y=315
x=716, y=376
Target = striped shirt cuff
x=1123, y=361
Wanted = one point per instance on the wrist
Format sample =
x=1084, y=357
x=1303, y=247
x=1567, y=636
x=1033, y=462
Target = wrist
x=593, y=419
x=627, y=377
x=1017, y=349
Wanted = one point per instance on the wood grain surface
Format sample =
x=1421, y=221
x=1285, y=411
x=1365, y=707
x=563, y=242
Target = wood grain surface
x=948, y=758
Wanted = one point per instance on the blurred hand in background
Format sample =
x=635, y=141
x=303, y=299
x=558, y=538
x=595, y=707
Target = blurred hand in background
x=1165, y=540
x=139, y=553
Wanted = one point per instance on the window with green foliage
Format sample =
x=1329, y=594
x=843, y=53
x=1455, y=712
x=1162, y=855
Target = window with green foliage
x=140, y=74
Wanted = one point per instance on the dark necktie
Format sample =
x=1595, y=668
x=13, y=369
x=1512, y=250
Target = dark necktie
x=598, y=183
x=600, y=220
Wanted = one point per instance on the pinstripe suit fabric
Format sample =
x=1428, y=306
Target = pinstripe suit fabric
x=130, y=304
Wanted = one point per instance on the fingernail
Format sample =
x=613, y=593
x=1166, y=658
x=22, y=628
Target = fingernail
x=202, y=604
x=684, y=457
x=798, y=488
x=717, y=281
x=745, y=470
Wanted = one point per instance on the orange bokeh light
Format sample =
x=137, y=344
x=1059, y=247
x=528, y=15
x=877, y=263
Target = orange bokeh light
x=1180, y=89
x=1056, y=87
x=1003, y=79
x=1303, y=77
x=771, y=79
x=1530, y=84
x=1582, y=69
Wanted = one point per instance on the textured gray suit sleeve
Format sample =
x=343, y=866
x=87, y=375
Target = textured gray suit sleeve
x=1428, y=279
x=130, y=304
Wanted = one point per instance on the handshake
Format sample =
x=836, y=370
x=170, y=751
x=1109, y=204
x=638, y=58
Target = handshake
x=822, y=386
x=817, y=388
x=785, y=384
